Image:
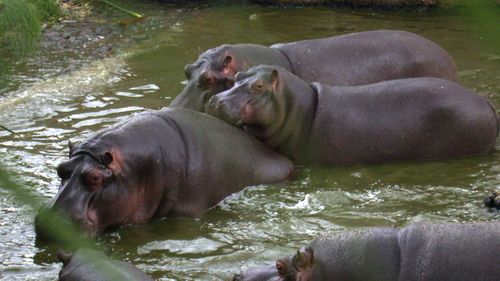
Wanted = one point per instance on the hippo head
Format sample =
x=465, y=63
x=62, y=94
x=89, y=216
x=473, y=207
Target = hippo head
x=115, y=178
x=212, y=73
x=254, y=102
x=299, y=267
x=493, y=200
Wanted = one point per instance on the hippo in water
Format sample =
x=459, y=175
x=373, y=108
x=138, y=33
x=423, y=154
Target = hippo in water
x=350, y=59
x=493, y=200
x=172, y=162
x=404, y=119
x=91, y=265
x=420, y=251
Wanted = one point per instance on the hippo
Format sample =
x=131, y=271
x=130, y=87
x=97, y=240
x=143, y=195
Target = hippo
x=493, y=200
x=403, y=119
x=92, y=265
x=350, y=59
x=171, y=162
x=420, y=251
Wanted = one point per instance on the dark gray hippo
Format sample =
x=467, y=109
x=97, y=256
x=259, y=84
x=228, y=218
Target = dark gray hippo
x=418, y=252
x=172, y=162
x=404, y=119
x=493, y=200
x=91, y=265
x=350, y=59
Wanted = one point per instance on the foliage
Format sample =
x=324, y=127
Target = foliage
x=66, y=235
x=20, y=26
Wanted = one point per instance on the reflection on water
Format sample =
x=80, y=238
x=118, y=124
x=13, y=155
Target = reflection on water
x=259, y=223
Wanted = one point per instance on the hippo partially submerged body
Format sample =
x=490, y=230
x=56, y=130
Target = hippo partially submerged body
x=423, y=252
x=172, y=162
x=404, y=119
x=91, y=265
x=350, y=59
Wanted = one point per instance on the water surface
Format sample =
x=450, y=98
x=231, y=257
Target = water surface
x=260, y=223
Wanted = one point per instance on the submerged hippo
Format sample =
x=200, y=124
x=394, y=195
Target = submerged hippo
x=423, y=252
x=172, y=162
x=405, y=119
x=351, y=59
x=493, y=200
x=90, y=265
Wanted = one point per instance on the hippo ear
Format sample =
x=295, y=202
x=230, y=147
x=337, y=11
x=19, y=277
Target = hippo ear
x=107, y=158
x=304, y=258
x=227, y=61
x=71, y=147
x=188, y=70
x=113, y=159
x=229, y=68
x=275, y=79
x=63, y=257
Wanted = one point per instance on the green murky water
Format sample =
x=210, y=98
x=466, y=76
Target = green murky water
x=260, y=223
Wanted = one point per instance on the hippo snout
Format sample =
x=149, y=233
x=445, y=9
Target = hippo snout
x=47, y=224
x=236, y=277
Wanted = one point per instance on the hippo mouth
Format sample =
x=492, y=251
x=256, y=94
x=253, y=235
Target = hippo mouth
x=50, y=220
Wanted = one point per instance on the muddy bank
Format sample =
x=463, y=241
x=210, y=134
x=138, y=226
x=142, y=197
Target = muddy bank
x=86, y=33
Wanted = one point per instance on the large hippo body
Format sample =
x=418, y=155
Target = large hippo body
x=351, y=59
x=404, y=119
x=90, y=265
x=172, y=162
x=418, y=252
x=368, y=57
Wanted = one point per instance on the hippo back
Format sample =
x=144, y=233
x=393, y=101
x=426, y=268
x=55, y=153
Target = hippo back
x=220, y=159
x=368, y=57
x=357, y=255
x=89, y=265
x=459, y=252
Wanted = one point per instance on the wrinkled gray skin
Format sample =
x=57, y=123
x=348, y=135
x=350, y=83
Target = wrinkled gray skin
x=418, y=252
x=405, y=119
x=172, y=162
x=90, y=265
x=351, y=59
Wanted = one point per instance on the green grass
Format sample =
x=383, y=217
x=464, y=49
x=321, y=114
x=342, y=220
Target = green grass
x=20, y=27
x=66, y=235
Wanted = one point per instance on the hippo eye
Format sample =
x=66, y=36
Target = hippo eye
x=94, y=180
x=258, y=86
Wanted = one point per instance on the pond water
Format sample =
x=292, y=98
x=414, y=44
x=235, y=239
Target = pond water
x=260, y=223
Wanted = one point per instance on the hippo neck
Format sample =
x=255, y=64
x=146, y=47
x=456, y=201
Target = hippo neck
x=175, y=172
x=300, y=103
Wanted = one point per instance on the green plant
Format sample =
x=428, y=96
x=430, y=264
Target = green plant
x=20, y=26
x=66, y=235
